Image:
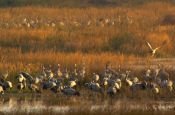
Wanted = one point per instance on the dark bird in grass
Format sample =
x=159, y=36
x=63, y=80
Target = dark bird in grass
x=70, y=91
x=21, y=86
x=27, y=76
x=1, y=90
x=34, y=88
x=57, y=88
x=7, y=85
x=94, y=86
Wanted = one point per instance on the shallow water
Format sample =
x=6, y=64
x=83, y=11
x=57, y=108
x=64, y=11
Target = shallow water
x=34, y=104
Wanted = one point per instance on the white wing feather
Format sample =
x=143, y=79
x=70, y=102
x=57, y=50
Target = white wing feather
x=157, y=48
x=149, y=45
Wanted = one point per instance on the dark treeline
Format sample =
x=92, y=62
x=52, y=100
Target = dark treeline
x=75, y=3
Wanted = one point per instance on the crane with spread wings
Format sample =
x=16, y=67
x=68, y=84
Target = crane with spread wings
x=154, y=50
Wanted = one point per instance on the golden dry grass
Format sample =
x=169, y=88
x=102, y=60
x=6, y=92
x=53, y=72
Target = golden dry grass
x=94, y=44
x=94, y=62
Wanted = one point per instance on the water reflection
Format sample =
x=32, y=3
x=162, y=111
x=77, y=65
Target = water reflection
x=57, y=104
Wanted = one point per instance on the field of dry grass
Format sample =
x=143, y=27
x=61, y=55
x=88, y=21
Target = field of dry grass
x=96, y=44
x=47, y=32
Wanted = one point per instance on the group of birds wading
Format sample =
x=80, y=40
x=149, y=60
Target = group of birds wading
x=109, y=81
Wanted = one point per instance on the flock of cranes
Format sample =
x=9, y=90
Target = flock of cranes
x=39, y=22
x=109, y=81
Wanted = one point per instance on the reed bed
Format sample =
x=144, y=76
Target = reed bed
x=122, y=44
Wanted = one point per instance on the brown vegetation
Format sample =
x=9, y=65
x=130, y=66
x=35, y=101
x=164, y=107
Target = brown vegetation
x=95, y=44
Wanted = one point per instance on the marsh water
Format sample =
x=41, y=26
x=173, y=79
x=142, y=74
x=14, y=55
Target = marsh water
x=89, y=103
x=94, y=104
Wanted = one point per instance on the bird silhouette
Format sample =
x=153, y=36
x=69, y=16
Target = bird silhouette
x=154, y=50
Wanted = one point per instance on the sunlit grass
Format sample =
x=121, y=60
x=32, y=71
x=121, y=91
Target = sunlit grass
x=95, y=45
